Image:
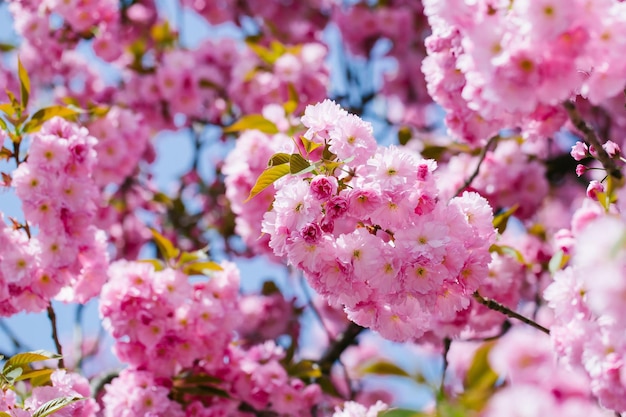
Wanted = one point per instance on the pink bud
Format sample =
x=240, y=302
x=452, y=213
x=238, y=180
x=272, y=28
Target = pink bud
x=594, y=188
x=579, y=151
x=612, y=148
x=581, y=169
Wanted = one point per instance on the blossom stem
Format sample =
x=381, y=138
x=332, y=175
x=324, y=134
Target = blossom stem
x=592, y=139
x=55, y=335
x=496, y=306
x=483, y=155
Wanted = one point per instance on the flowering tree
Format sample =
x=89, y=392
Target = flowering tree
x=445, y=175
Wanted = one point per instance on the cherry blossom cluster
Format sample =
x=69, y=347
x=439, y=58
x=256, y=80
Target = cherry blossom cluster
x=251, y=379
x=506, y=178
x=587, y=299
x=122, y=141
x=60, y=199
x=537, y=385
x=300, y=21
x=168, y=329
x=63, y=384
x=403, y=23
x=161, y=322
x=242, y=167
x=372, y=235
x=194, y=82
x=37, y=22
x=495, y=65
x=266, y=317
x=258, y=80
x=138, y=393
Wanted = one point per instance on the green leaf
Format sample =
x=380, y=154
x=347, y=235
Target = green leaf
x=309, y=146
x=12, y=374
x=480, y=374
x=29, y=357
x=480, y=382
x=201, y=268
x=200, y=379
x=202, y=390
x=156, y=263
x=24, y=84
x=5, y=47
x=269, y=288
x=7, y=108
x=604, y=200
x=162, y=198
x=404, y=135
x=55, y=405
x=501, y=220
x=45, y=114
x=166, y=248
x=297, y=163
x=292, y=104
x=384, y=368
x=5, y=153
x=279, y=159
x=36, y=373
x=252, y=121
x=328, y=387
x=187, y=257
x=557, y=262
x=433, y=152
x=41, y=379
x=15, y=105
x=266, y=55
x=5, y=414
x=161, y=33
x=267, y=178
x=510, y=251
x=447, y=409
x=305, y=369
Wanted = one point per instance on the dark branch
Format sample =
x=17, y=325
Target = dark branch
x=472, y=177
x=446, y=348
x=496, y=306
x=592, y=139
x=55, y=336
x=334, y=351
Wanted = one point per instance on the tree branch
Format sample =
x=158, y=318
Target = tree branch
x=334, y=351
x=55, y=336
x=496, y=306
x=446, y=348
x=592, y=139
x=472, y=177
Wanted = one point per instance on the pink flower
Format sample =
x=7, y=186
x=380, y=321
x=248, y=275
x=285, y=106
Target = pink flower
x=323, y=187
x=594, y=188
x=579, y=151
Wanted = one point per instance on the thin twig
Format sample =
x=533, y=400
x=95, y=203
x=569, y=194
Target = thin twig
x=496, y=306
x=592, y=139
x=446, y=348
x=483, y=155
x=55, y=336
